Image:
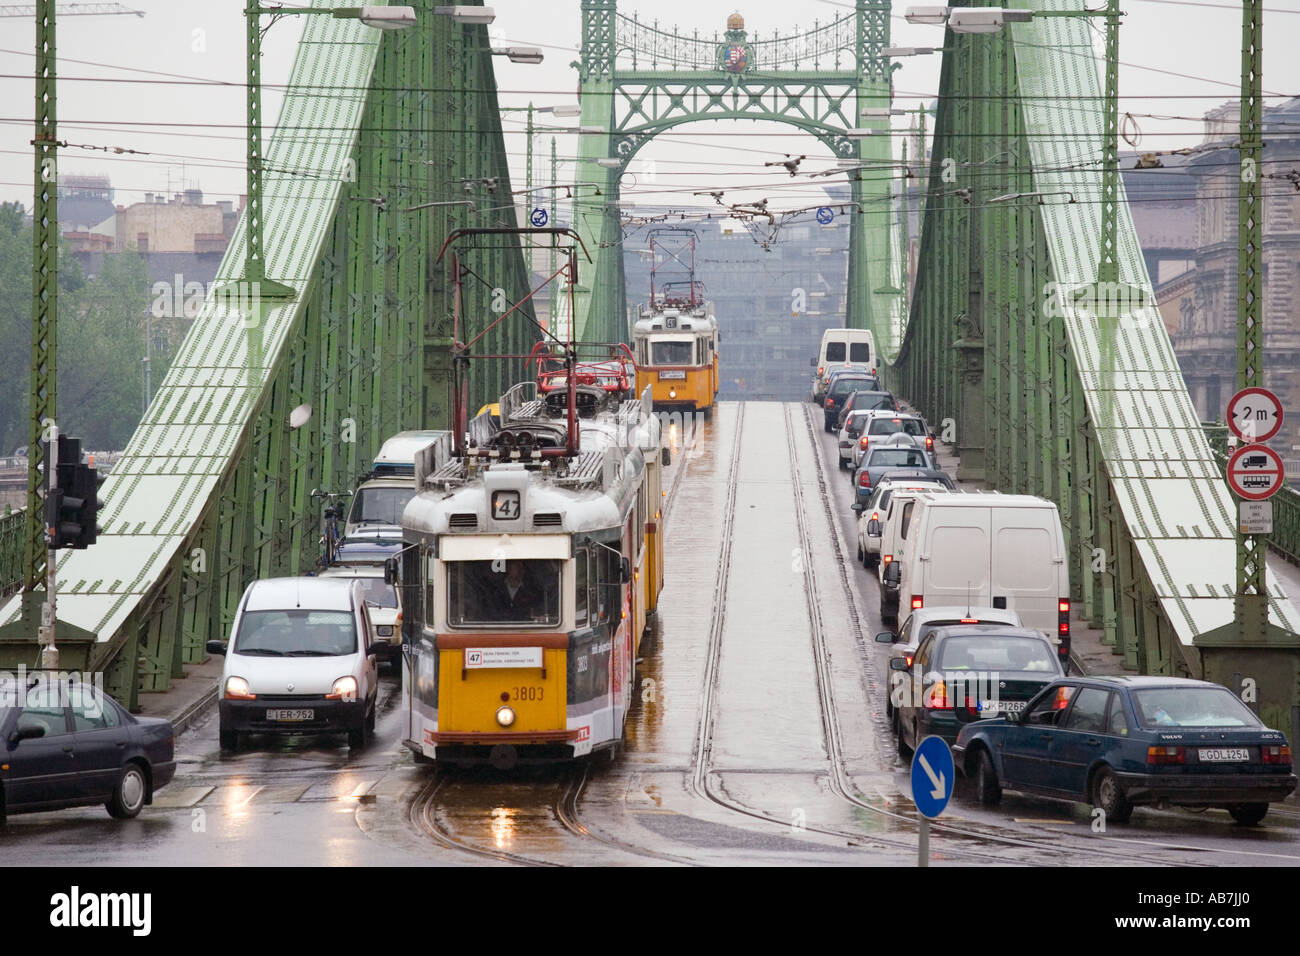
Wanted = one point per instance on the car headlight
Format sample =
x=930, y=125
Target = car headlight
x=237, y=689
x=505, y=716
x=345, y=688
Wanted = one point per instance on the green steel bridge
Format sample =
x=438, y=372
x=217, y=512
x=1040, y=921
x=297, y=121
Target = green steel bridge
x=365, y=175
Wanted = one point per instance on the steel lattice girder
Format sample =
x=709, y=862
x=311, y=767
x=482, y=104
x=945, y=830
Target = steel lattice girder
x=636, y=104
x=212, y=489
x=1088, y=410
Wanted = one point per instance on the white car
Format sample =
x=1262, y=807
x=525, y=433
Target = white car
x=883, y=425
x=300, y=659
x=871, y=520
x=848, y=436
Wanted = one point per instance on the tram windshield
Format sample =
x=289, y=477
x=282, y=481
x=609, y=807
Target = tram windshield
x=379, y=505
x=672, y=353
x=495, y=592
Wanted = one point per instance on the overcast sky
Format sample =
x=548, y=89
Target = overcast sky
x=1196, y=43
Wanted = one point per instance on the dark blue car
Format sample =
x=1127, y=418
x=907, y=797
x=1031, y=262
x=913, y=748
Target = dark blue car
x=66, y=744
x=1117, y=742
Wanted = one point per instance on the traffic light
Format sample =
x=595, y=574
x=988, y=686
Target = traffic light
x=71, y=508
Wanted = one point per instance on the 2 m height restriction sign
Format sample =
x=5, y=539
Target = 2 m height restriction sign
x=1255, y=415
x=1255, y=472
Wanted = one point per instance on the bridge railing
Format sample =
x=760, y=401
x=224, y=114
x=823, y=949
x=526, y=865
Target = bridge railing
x=12, y=530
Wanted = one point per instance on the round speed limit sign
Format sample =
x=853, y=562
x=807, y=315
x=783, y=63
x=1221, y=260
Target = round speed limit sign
x=1254, y=415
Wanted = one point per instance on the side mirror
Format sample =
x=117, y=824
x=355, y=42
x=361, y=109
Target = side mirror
x=858, y=506
x=390, y=570
x=217, y=647
x=30, y=732
x=625, y=569
x=812, y=363
x=886, y=637
x=665, y=457
x=898, y=664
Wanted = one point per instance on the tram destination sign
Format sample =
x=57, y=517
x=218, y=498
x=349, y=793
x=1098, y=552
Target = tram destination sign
x=1255, y=415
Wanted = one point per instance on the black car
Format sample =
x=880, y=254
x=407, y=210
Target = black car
x=67, y=744
x=1118, y=742
x=838, y=392
x=966, y=673
x=868, y=399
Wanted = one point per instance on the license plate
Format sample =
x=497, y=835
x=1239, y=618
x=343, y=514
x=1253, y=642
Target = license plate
x=994, y=707
x=291, y=715
x=679, y=375
x=1224, y=755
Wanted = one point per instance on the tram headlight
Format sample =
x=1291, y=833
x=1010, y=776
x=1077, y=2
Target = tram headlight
x=672, y=393
x=505, y=716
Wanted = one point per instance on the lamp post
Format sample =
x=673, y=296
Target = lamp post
x=562, y=109
x=381, y=18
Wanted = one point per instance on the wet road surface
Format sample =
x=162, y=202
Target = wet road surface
x=758, y=735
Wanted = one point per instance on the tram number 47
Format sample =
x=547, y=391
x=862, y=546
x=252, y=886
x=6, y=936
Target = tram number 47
x=505, y=504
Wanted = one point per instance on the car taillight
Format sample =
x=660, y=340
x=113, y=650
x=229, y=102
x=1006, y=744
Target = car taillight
x=937, y=697
x=1166, y=755
x=875, y=516
x=821, y=370
x=885, y=559
x=917, y=602
x=864, y=479
x=830, y=403
x=970, y=620
x=1063, y=619
x=862, y=442
x=908, y=658
x=929, y=443
x=1279, y=755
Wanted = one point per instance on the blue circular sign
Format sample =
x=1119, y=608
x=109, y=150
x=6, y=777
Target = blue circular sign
x=539, y=217
x=825, y=215
x=933, y=775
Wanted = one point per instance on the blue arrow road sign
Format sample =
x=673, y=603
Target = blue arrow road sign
x=932, y=776
x=539, y=217
x=825, y=215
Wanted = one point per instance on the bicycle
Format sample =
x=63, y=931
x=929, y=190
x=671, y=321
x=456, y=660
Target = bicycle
x=330, y=535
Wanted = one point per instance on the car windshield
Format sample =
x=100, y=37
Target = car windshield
x=897, y=458
x=297, y=632
x=377, y=592
x=1192, y=707
x=492, y=592
x=892, y=426
x=845, y=385
x=379, y=505
x=671, y=353
x=994, y=652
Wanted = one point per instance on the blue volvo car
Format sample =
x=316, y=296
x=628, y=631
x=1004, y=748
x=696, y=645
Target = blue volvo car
x=1120, y=742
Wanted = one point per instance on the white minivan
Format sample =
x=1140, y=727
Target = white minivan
x=991, y=550
x=842, y=348
x=300, y=660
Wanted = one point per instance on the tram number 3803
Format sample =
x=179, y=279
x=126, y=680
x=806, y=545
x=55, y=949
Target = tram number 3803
x=526, y=693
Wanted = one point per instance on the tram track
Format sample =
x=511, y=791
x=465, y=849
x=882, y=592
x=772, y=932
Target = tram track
x=1062, y=844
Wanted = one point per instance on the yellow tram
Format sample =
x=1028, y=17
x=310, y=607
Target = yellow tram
x=676, y=346
x=539, y=554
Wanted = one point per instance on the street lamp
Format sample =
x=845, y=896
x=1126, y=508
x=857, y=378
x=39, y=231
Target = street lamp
x=519, y=54
x=901, y=51
x=381, y=18
x=561, y=109
x=468, y=15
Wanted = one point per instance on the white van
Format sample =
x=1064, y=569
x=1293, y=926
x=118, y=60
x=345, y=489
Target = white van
x=990, y=550
x=842, y=348
x=300, y=660
x=382, y=495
